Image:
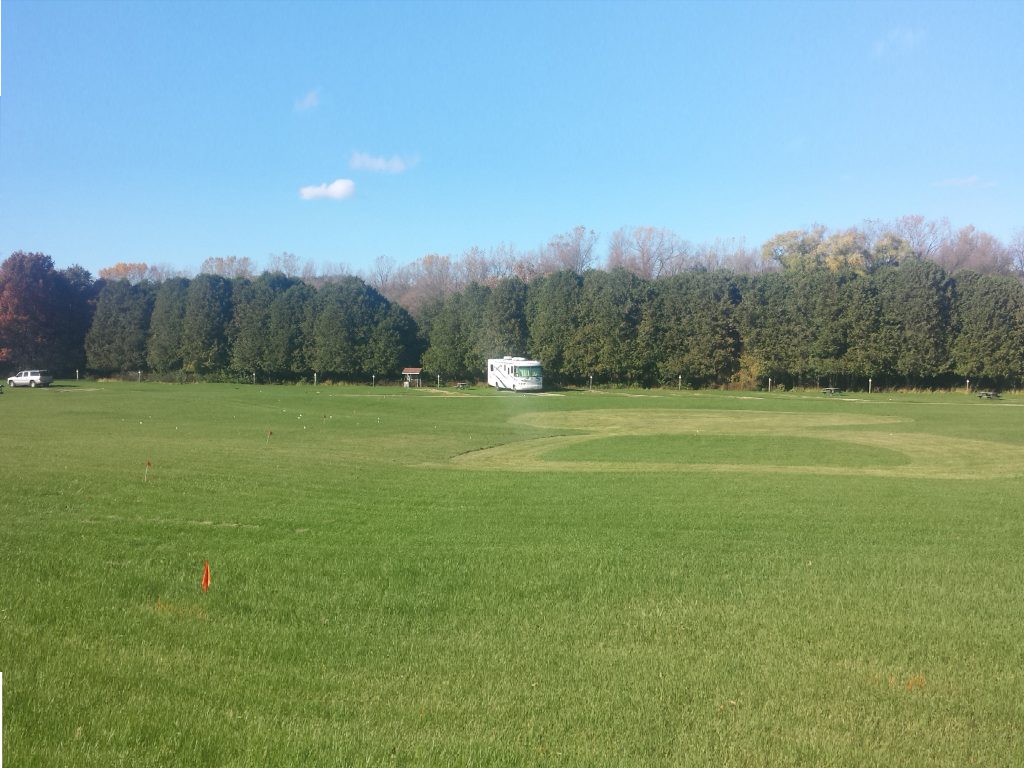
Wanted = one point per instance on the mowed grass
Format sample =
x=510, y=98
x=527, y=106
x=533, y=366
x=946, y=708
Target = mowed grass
x=740, y=450
x=385, y=591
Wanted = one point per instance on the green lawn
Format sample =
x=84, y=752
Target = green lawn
x=586, y=578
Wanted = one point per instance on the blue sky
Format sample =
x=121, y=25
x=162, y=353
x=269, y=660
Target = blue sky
x=172, y=132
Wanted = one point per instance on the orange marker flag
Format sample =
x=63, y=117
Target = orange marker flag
x=206, y=576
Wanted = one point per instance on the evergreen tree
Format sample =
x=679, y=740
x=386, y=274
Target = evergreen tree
x=503, y=327
x=551, y=310
x=689, y=329
x=865, y=356
x=82, y=298
x=914, y=302
x=117, y=338
x=249, y=334
x=989, y=342
x=604, y=342
x=392, y=344
x=285, y=351
x=339, y=329
x=453, y=349
x=817, y=294
x=204, y=342
x=163, y=347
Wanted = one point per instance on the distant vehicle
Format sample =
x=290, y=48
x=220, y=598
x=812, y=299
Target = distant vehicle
x=30, y=379
x=515, y=373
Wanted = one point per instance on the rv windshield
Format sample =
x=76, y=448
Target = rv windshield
x=528, y=371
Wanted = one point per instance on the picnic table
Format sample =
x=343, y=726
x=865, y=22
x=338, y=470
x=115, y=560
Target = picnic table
x=462, y=385
x=832, y=391
x=989, y=394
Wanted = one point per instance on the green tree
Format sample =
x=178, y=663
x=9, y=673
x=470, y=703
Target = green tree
x=914, y=302
x=82, y=299
x=866, y=355
x=163, y=347
x=339, y=330
x=503, y=327
x=204, y=342
x=817, y=296
x=604, y=341
x=689, y=329
x=392, y=344
x=249, y=334
x=116, y=340
x=551, y=310
x=774, y=334
x=285, y=351
x=794, y=325
x=453, y=349
x=989, y=342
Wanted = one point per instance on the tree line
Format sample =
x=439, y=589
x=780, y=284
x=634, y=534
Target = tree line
x=274, y=327
x=277, y=327
x=814, y=307
x=899, y=325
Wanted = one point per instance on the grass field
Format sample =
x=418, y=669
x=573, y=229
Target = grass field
x=470, y=578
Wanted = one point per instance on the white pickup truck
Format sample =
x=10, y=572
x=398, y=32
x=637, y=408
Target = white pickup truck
x=34, y=378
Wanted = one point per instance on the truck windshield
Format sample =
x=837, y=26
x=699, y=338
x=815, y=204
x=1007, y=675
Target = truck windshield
x=527, y=371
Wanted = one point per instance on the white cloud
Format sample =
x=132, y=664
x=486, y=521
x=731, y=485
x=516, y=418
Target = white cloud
x=309, y=101
x=361, y=161
x=967, y=182
x=898, y=41
x=338, y=189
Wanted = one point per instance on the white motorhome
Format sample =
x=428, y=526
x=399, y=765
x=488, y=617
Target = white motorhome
x=515, y=373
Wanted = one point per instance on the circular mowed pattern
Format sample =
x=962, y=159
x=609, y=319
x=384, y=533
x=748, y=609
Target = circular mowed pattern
x=732, y=441
x=741, y=450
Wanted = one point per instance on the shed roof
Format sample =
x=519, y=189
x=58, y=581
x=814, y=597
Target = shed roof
x=413, y=371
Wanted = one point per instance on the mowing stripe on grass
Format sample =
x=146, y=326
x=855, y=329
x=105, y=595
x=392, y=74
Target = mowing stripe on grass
x=923, y=456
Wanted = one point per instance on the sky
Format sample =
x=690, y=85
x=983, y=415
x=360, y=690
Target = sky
x=171, y=132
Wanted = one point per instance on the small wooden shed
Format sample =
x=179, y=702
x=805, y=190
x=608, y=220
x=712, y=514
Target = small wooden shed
x=411, y=377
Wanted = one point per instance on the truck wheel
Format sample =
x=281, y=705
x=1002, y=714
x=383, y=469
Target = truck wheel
x=32, y=384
